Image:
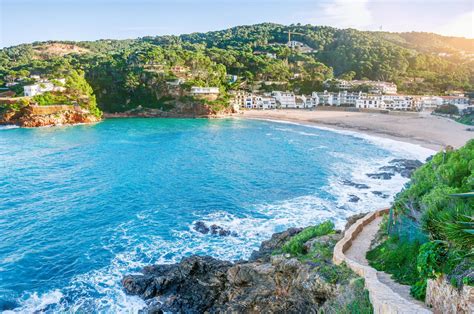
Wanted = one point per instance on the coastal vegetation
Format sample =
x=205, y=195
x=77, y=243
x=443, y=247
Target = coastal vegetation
x=126, y=74
x=430, y=231
x=76, y=91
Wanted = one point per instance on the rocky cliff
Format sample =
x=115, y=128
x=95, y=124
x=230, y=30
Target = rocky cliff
x=37, y=116
x=179, y=109
x=269, y=282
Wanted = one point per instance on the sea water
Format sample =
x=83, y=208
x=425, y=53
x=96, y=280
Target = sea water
x=81, y=206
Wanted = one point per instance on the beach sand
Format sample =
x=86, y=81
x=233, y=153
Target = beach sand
x=417, y=128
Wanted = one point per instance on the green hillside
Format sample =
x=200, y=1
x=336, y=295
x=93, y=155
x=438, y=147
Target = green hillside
x=127, y=73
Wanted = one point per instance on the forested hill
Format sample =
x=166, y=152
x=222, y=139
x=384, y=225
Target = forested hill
x=128, y=73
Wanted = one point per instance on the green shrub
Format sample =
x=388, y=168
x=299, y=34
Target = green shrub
x=397, y=257
x=295, y=245
x=447, y=109
x=454, y=224
x=354, y=299
x=418, y=290
x=427, y=206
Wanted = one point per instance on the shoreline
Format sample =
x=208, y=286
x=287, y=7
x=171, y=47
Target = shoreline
x=430, y=132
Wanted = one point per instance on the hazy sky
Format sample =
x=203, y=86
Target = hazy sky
x=24, y=21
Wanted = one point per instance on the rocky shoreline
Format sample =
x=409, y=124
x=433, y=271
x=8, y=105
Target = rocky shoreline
x=194, y=111
x=37, y=116
x=271, y=281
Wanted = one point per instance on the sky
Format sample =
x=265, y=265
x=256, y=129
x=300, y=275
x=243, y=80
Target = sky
x=26, y=21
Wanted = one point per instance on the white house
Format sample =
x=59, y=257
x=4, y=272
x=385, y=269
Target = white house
x=238, y=98
x=459, y=101
x=370, y=102
x=324, y=98
x=285, y=99
x=300, y=102
x=264, y=102
x=375, y=87
x=382, y=88
x=196, y=90
x=430, y=102
x=40, y=88
x=44, y=85
x=398, y=102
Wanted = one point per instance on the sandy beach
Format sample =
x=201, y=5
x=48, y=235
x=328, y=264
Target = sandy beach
x=417, y=128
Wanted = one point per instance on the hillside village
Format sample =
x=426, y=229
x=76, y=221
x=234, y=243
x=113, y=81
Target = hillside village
x=381, y=95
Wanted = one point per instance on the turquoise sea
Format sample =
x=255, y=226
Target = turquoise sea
x=80, y=206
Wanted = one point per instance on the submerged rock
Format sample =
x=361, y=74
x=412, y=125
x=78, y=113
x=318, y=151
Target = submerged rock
x=381, y=194
x=356, y=185
x=214, y=229
x=354, y=198
x=381, y=175
x=201, y=227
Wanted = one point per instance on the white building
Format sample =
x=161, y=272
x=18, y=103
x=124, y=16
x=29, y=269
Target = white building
x=398, y=102
x=370, y=102
x=196, y=90
x=252, y=101
x=300, y=102
x=238, y=98
x=459, y=101
x=382, y=87
x=295, y=44
x=430, y=103
x=42, y=87
x=285, y=99
x=324, y=98
x=265, y=102
x=375, y=87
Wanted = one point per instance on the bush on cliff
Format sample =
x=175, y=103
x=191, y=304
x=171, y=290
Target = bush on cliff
x=430, y=227
x=295, y=245
x=314, y=246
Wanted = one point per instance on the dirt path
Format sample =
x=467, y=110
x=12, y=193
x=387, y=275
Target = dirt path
x=358, y=250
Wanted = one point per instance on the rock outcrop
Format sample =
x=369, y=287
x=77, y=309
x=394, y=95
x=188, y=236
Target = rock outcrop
x=38, y=116
x=405, y=167
x=179, y=110
x=267, y=283
x=213, y=229
x=443, y=297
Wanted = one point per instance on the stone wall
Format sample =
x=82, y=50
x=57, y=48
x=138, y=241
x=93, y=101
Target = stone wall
x=447, y=299
x=383, y=299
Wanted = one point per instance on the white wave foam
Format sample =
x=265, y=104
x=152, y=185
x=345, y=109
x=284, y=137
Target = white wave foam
x=39, y=303
x=8, y=127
